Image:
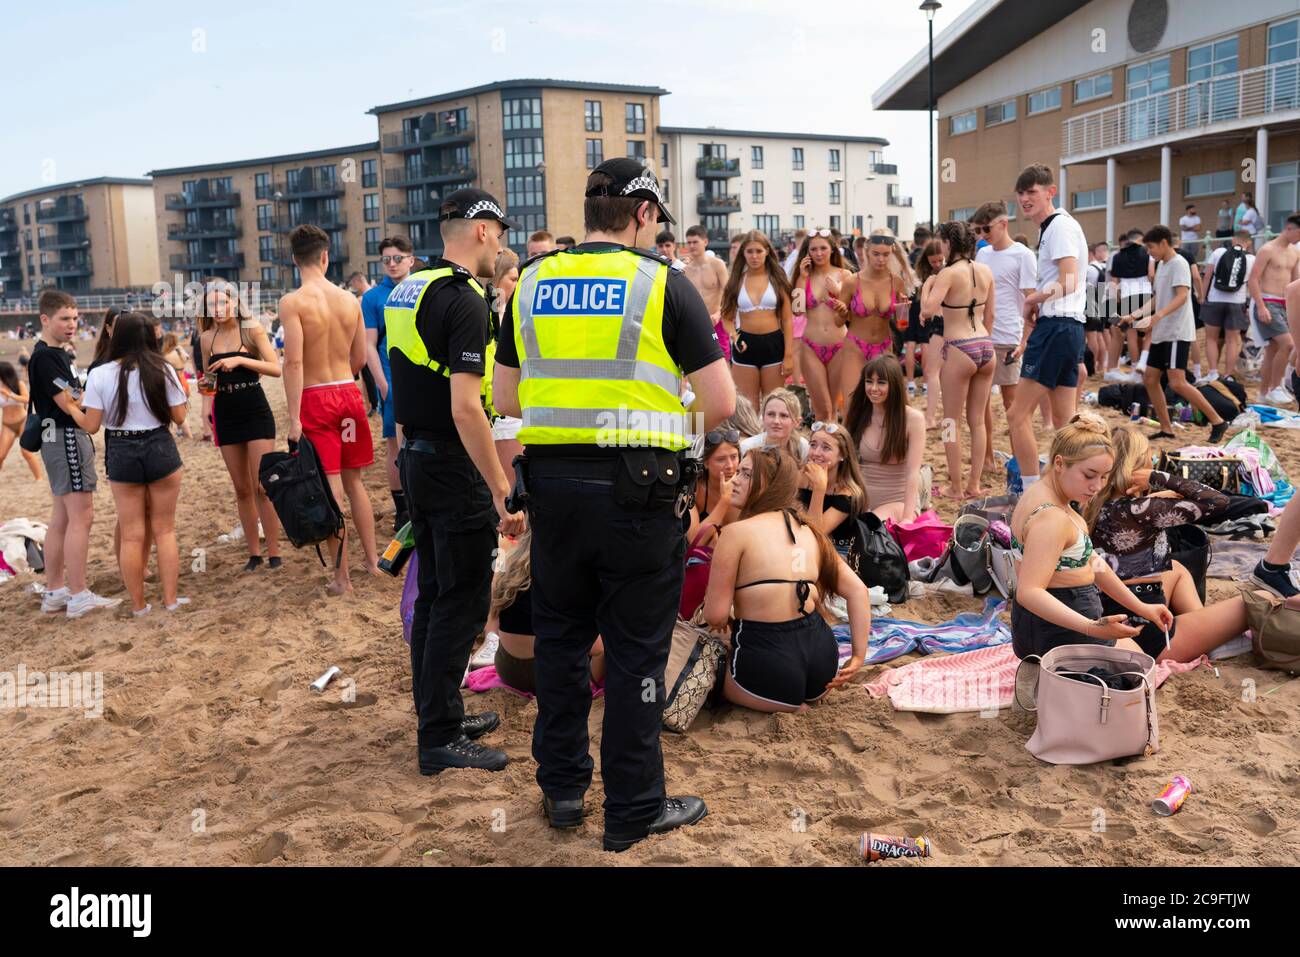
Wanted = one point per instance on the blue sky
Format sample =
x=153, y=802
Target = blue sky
x=123, y=87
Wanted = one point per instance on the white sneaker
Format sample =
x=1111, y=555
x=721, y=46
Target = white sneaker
x=1139, y=369
x=1278, y=396
x=1135, y=378
x=487, y=654
x=1116, y=375
x=56, y=600
x=88, y=601
x=179, y=602
x=143, y=611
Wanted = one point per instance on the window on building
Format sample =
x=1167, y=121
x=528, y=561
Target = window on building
x=857, y=223
x=798, y=191
x=369, y=174
x=1043, y=100
x=835, y=193
x=892, y=223
x=961, y=213
x=756, y=157
x=529, y=223
x=713, y=151
x=1210, y=184
x=796, y=157
x=592, y=121
x=835, y=223
x=1092, y=87
x=1142, y=192
x=1213, y=99
x=1012, y=205
x=634, y=116
x=833, y=157
x=263, y=217
x=266, y=248
x=1088, y=199
x=374, y=270
x=372, y=240
x=1144, y=79
x=798, y=222
x=663, y=155
x=523, y=152
x=771, y=225
x=370, y=207
x=636, y=149
x=1003, y=112
x=595, y=153
x=268, y=276
x=1149, y=117
x=262, y=185
x=1284, y=46
x=892, y=195
x=757, y=187
x=522, y=113
x=524, y=190
x=457, y=119
x=663, y=186
x=962, y=123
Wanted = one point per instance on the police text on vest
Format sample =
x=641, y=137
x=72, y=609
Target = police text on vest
x=579, y=297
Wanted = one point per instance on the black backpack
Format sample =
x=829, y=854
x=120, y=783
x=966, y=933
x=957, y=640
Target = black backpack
x=1230, y=273
x=296, y=484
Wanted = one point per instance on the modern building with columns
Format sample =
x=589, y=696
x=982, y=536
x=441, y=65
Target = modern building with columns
x=1141, y=106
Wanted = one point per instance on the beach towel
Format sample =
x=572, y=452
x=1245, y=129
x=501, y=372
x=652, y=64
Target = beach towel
x=1235, y=560
x=894, y=637
x=1277, y=418
x=982, y=680
x=485, y=679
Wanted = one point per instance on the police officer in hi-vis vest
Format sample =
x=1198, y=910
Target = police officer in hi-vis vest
x=437, y=324
x=590, y=355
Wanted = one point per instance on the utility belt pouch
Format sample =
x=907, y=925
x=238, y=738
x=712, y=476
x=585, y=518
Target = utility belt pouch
x=646, y=478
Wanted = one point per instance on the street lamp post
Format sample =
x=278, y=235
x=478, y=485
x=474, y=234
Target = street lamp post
x=929, y=8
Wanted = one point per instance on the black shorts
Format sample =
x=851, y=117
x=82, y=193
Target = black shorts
x=786, y=662
x=1168, y=355
x=760, y=350
x=1031, y=635
x=1152, y=638
x=1093, y=324
x=140, y=458
x=917, y=331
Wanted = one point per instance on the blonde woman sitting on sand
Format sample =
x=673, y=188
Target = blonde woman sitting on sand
x=780, y=417
x=783, y=655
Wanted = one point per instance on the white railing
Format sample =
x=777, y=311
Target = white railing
x=1254, y=93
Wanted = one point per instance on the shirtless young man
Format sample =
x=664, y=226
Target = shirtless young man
x=708, y=274
x=1276, y=265
x=324, y=348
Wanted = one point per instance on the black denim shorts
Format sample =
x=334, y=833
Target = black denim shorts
x=140, y=458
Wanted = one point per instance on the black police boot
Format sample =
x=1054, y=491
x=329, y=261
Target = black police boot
x=563, y=814
x=461, y=753
x=677, y=812
x=476, y=725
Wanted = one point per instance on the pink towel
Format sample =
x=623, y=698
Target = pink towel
x=485, y=679
x=982, y=680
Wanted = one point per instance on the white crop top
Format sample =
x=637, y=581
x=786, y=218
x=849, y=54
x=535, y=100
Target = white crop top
x=745, y=304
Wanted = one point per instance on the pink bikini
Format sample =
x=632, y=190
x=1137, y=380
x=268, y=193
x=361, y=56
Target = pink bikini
x=870, y=349
x=824, y=353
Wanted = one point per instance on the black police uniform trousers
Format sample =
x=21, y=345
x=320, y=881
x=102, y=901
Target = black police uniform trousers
x=454, y=522
x=601, y=569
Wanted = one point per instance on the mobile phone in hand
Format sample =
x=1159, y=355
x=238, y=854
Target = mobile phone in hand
x=63, y=384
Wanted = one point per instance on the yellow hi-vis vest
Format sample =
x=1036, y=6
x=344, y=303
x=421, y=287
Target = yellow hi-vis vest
x=403, y=306
x=593, y=368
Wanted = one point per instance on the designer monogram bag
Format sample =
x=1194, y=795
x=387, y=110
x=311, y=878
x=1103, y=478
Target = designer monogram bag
x=1218, y=473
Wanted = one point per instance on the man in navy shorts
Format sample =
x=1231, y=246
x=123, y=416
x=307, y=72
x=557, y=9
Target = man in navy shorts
x=1054, y=350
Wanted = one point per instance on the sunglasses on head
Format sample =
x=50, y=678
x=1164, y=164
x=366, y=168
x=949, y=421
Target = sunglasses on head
x=830, y=428
x=718, y=436
x=881, y=240
x=824, y=233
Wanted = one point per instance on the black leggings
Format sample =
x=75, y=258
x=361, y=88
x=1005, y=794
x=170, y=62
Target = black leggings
x=786, y=662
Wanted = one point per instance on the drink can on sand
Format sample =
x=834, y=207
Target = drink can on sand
x=1172, y=797
x=319, y=684
x=878, y=847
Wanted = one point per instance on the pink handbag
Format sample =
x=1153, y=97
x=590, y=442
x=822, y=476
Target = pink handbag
x=926, y=536
x=1081, y=719
x=695, y=583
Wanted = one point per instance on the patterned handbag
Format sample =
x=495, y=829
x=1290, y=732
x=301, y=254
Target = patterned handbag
x=1220, y=472
x=694, y=663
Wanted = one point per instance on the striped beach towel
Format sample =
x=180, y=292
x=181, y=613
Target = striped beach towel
x=894, y=637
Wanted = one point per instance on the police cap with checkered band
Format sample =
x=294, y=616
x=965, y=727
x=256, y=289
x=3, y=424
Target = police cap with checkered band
x=473, y=204
x=633, y=180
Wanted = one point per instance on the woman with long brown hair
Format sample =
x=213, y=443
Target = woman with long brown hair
x=889, y=436
x=778, y=662
x=819, y=277
x=833, y=495
x=236, y=353
x=756, y=299
x=14, y=398
x=876, y=296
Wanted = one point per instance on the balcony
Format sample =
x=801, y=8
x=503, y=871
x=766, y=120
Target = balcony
x=412, y=212
x=67, y=209
x=885, y=169
x=417, y=174
x=202, y=195
x=207, y=260
x=283, y=256
x=8, y=221
x=183, y=232
x=72, y=266
x=1234, y=101
x=9, y=247
x=707, y=205
x=11, y=273
x=308, y=184
x=73, y=240
x=893, y=199
x=442, y=134
x=713, y=167
x=329, y=223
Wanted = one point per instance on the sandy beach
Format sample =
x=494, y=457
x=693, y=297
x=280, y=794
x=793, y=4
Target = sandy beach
x=211, y=749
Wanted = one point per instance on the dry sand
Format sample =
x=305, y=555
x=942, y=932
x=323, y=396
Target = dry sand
x=212, y=750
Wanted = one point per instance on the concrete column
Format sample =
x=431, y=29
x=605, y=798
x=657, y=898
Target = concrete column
x=1261, y=171
x=1062, y=188
x=1166, y=166
x=1110, y=199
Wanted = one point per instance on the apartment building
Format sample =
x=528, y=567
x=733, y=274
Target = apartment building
x=232, y=219
x=731, y=181
x=97, y=234
x=1142, y=106
x=498, y=137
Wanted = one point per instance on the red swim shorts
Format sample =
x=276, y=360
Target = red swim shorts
x=334, y=419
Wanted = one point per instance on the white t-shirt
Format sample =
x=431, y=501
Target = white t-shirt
x=1218, y=295
x=1014, y=270
x=1251, y=220
x=1063, y=238
x=101, y=393
x=1181, y=325
x=1190, y=225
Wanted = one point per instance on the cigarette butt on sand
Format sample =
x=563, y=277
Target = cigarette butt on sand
x=319, y=684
